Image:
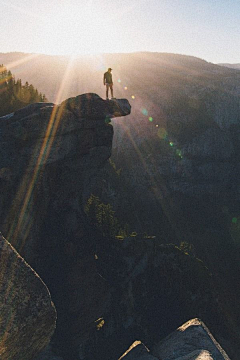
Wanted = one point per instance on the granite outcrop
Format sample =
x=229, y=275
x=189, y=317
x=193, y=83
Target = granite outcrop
x=49, y=155
x=28, y=316
x=191, y=341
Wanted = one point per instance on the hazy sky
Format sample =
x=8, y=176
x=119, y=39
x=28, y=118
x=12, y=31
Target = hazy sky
x=209, y=29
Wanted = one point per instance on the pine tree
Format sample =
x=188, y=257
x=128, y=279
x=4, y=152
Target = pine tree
x=14, y=95
x=103, y=217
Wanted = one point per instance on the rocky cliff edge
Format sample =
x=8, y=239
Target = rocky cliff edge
x=28, y=316
x=44, y=133
x=48, y=155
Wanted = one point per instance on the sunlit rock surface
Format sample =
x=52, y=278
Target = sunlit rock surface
x=191, y=341
x=92, y=106
x=27, y=314
x=137, y=351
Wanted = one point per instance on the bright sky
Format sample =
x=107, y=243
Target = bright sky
x=209, y=29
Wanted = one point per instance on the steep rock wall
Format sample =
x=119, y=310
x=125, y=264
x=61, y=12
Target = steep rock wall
x=49, y=154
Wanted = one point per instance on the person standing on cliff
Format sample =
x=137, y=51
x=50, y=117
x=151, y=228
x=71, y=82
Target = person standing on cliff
x=107, y=80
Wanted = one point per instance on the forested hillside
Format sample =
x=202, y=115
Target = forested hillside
x=15, y=95
x=150, y=77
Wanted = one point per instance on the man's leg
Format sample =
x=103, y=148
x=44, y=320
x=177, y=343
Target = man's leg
x=111, y=88
x=107, y=88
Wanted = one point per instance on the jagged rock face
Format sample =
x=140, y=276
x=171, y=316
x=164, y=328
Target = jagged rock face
x=49, y=154
x=196, y=131
x=28, y=315
x=191, y=341
x=153, y=290
x=205, y=164
x=69, y=143
x=42, y=134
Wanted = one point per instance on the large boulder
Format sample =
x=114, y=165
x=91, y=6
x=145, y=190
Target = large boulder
x=41, y=134
x=190, y=341
x=92, y=106
x=28, y=315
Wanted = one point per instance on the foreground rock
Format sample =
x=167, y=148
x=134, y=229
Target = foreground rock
x=27, y=314
x=190, y=341
x=47, y=354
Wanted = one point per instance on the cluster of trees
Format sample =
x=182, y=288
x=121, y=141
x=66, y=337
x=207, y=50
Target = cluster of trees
x=102, y=216
x=14, y=95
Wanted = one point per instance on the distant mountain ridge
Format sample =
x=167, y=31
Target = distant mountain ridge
x=231, y=66
x=60, y=77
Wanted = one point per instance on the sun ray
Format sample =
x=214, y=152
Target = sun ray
x=22, y=224
x=27, y=186
x=28, y=58
x=158, y=187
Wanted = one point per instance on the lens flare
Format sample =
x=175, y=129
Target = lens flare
x=125, y=87
x=150, y=119
x=144, y=111
x=162, y=133
x=119, y=80
x=234, y=220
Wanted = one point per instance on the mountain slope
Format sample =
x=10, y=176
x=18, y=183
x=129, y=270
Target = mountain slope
x=158, y=74
x=231, y=66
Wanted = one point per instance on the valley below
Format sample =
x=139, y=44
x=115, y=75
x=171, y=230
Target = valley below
x=128, y=209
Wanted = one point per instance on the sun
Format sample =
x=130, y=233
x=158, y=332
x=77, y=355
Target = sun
x=76, y=29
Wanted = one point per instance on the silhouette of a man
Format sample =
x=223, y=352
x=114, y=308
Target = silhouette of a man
x=107, y=80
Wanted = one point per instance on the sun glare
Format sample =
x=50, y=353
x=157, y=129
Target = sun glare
x=78, y=29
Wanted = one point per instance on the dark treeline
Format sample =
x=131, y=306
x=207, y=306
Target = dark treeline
x=14, y=95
